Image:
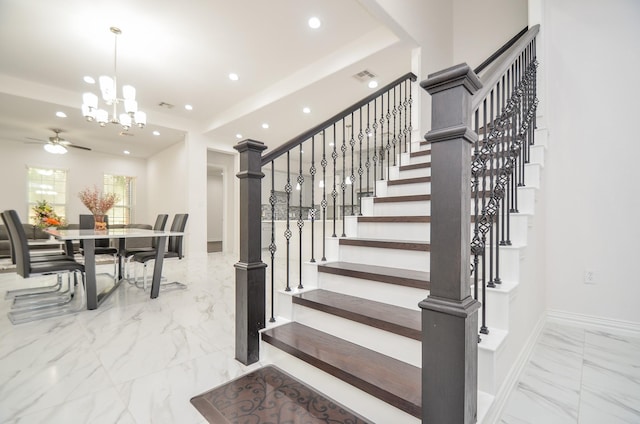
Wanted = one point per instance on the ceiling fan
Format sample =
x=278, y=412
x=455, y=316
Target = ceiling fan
x=57, y=144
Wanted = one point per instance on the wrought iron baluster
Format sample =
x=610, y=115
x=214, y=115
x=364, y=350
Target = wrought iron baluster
x=490, y=123
x=300, y=221
x=500, y=200
x=324, y=197
x=483, y=326
x=360, y=170
x=367, y=164
x=476, y=243
x=504, y=153
x=375, y=147
x=334, y=192
x=343, y=183
x=272, y=246
x=352, y=177
x=410, y=129
x=312, y=211
x=399, y=136
x=405, y=130
x=394, y=112
x=287, y=232
x=388, y=133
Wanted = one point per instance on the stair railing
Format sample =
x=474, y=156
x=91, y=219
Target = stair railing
x=313, y=182
x=482, y=130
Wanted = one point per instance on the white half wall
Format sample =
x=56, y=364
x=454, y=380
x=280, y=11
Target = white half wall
x=592, y=58
x=85, y=169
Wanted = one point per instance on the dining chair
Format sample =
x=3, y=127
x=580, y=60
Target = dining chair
x=72, y=301
x=127, y=253
x=174, y=250
x=102, y=246
x=40, y=257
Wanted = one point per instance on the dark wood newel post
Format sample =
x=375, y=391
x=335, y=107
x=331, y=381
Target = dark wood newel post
x=449, y=313
x=250, y=270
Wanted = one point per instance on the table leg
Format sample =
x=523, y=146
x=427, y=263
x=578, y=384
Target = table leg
x=157, y=266
x=89, y=246
x=121, y=247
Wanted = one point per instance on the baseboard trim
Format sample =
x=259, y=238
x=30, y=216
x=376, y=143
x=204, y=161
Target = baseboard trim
x=499, y=402
x=628, y=327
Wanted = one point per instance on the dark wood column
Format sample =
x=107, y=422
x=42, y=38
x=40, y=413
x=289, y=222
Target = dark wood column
x=250, y=270
x=449, y=313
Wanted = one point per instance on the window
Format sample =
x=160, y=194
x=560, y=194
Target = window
x=50, y=185
x=124, y=187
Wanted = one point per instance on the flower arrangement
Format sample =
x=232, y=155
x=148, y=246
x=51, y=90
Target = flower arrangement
x=97, y=202
x=45, y=216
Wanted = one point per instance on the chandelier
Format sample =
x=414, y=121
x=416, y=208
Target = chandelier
x=109, y=90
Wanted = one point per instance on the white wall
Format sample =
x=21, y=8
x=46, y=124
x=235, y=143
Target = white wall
x=592, y=52
x=215, y=204
x=481, y=27
x=85, y=169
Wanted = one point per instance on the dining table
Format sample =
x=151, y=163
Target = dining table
x=89, y=237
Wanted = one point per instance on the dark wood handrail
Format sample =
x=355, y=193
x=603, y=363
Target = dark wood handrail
x=501, y=50
x=294, y=142
x=498, y=68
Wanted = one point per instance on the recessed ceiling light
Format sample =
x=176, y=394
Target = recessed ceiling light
x=373, y=84
x=314, y=22
x=306, y=110
x=61, y=114
x=156, y=132
x=233, y=76
x=126, y=152
x=188, y=107
x=265, y=125
x=89, y=80
x=238, y=135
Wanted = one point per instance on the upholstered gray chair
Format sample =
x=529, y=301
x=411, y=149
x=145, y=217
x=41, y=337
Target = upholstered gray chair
x=102, y=246
x=174, y=249
x=66, y=302
x=127, y=253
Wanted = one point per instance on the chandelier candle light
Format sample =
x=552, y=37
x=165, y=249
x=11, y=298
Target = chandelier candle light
x=109, y=89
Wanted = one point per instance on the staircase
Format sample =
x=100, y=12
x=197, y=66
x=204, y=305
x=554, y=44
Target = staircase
x=355, y=331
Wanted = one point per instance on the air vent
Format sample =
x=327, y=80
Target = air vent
x=165, y=105
x=364, y=76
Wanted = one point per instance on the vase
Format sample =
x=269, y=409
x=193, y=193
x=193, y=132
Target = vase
x=99, y=223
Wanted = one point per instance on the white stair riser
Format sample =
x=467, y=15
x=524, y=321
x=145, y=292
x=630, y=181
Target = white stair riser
x=385, y=190
x=498, y=302
x=407, y=297
x=532, y=175
x=489, y=369
x=406, y=159
x=360, y=402
x=421, y=207
x=537, y=154
x=510, y=258
x=526, y=200
x=414, y=231
x=396, y=174
x=518, y=229
x=390, y=344
x=394, y=258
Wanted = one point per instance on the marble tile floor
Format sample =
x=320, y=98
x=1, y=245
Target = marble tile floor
x=133, y=360
x=136, y=360
x=578, y=375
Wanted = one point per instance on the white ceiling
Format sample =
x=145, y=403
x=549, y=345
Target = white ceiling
x=182, y=53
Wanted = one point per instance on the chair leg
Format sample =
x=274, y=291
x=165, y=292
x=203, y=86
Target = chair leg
x=34, y=291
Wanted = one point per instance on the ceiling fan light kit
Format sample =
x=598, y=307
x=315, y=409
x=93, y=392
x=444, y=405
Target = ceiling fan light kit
x=55, y=148
x=109, y=90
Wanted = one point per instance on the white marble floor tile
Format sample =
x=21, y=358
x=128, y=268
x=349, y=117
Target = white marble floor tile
x=163, y=397
x=40, y=387
x=104, y=407
x=598, y=407
x=537, y=401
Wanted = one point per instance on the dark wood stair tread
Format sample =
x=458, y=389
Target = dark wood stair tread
x=415, y=166
x=383, y=274
x=392, y=318
x=386, y=378
x=263, y=394
x=409, y=181
x=407, y=198
x=426, y=152
x=387, y=244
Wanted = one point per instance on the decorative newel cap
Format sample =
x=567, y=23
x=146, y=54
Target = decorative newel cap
x=249, y=144
x=451, y=77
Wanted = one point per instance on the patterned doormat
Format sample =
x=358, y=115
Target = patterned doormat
x=269, y=395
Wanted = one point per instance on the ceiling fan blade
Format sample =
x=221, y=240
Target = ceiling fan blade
x=78, y=147
x=36, y=139
x=64, y=142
